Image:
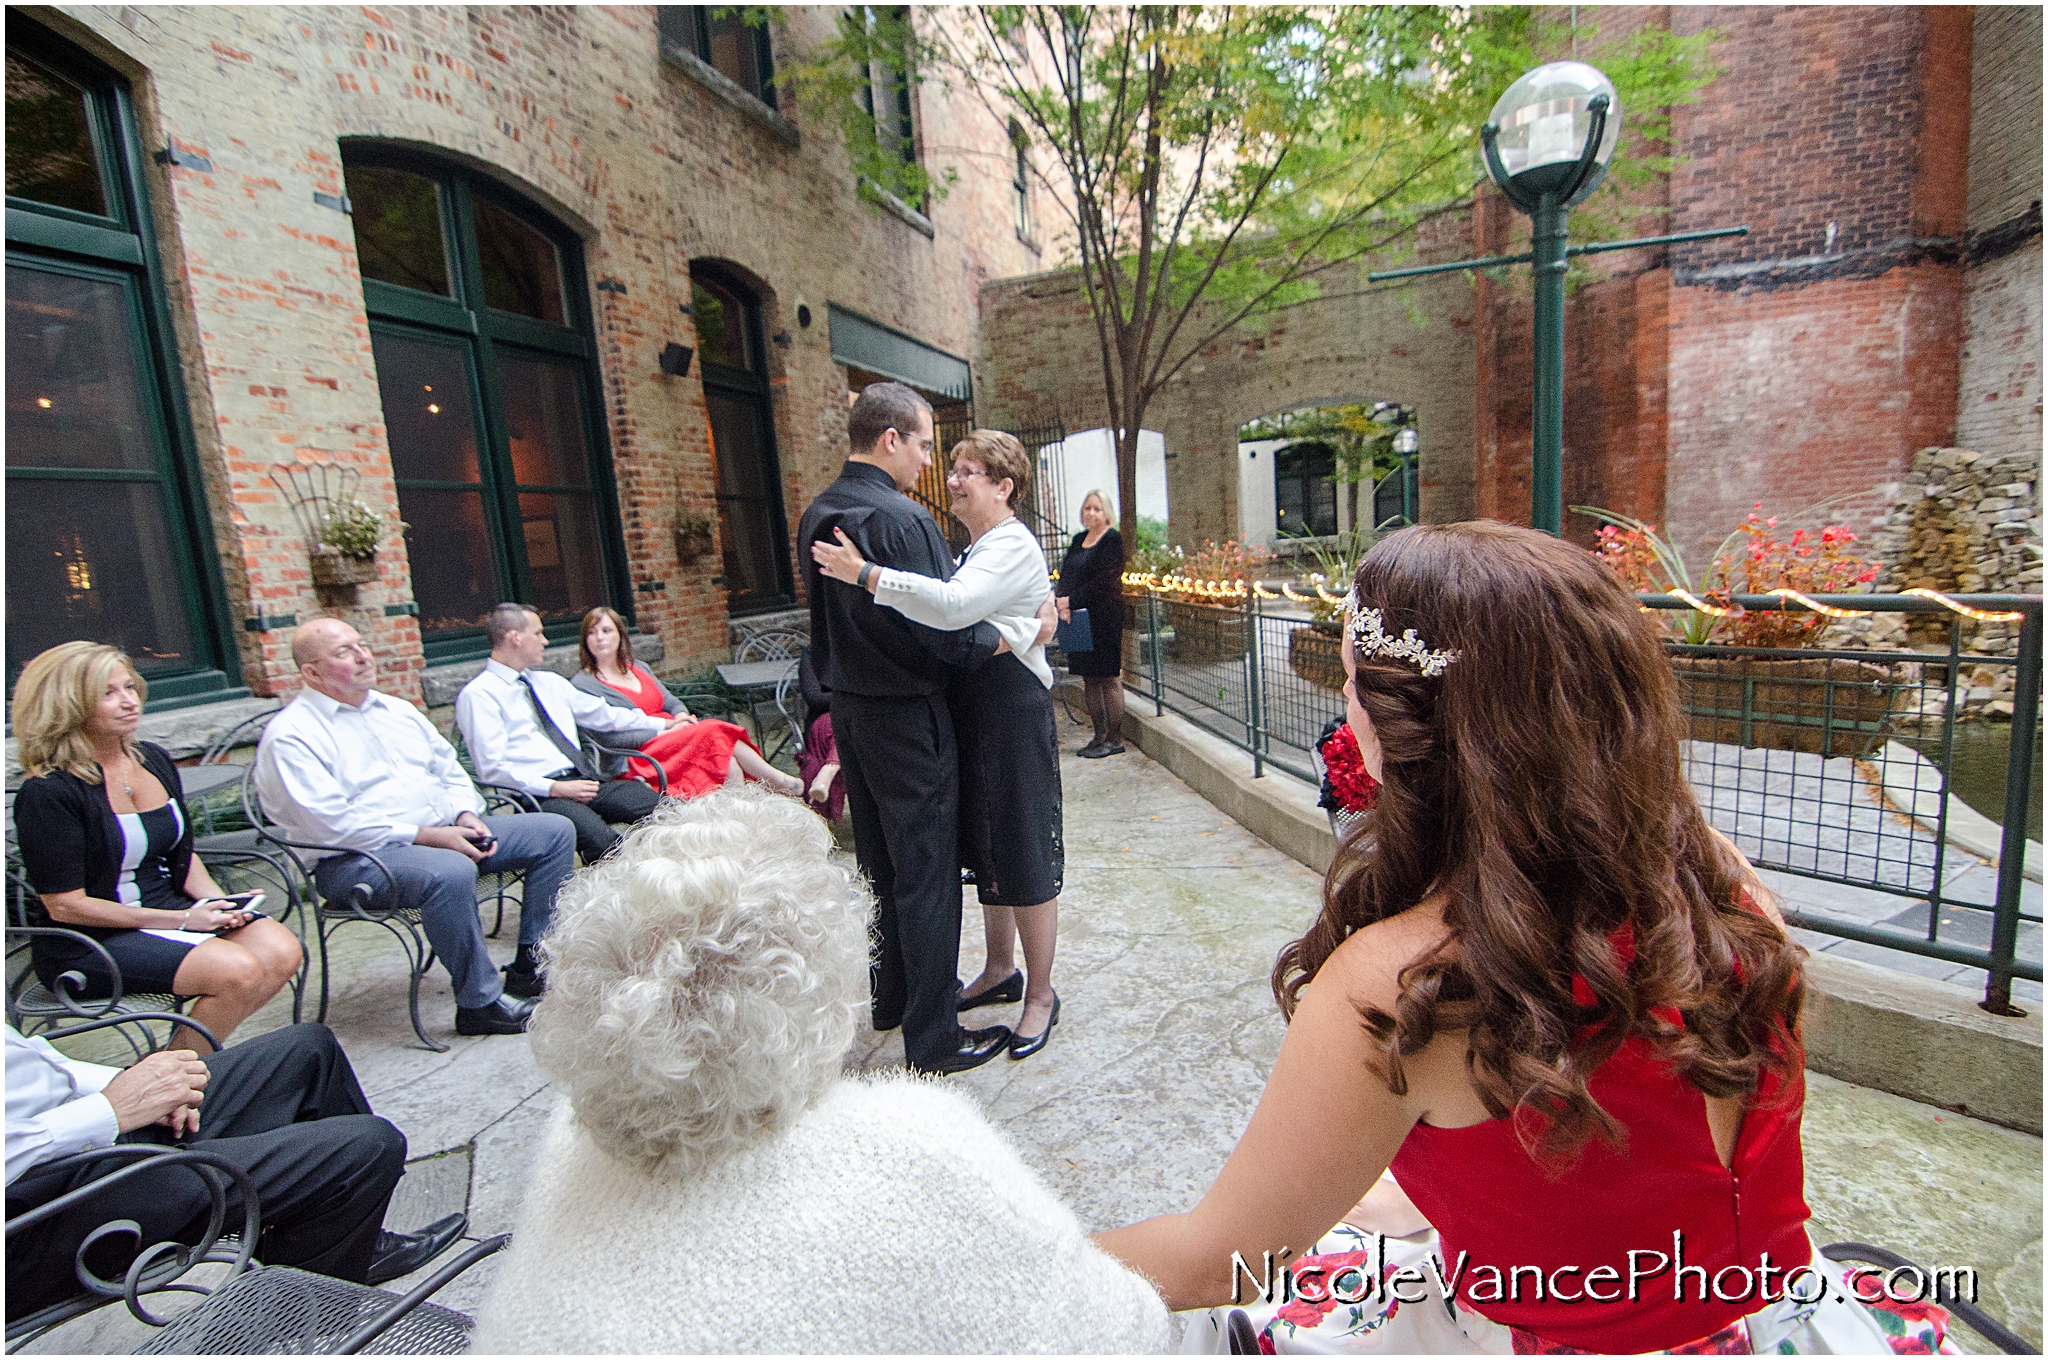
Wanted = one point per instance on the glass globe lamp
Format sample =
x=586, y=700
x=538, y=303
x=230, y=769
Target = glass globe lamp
x=1537, y=137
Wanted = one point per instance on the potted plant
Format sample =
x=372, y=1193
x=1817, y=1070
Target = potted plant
x=345, y=553
x=1315, y=653
x=694, y=530
x=1831, y=706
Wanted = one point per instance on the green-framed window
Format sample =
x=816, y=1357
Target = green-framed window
x=752, y=528
x=108, y=537
x=725, y=41
x=492, y=405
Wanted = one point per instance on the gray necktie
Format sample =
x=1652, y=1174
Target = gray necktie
x=569, y=749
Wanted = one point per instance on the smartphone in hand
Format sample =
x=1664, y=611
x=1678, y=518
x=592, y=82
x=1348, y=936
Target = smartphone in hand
x=247, y=903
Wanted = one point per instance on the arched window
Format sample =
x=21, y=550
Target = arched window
x=491, y=400
x=751, y=524
x=108, y=537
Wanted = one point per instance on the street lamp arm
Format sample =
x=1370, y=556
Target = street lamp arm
x=1598, y=247
x=1597, y=128
x=1489, y=134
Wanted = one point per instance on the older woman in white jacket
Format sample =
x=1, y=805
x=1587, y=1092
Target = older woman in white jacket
x=1003, y=723
x=713, y=1182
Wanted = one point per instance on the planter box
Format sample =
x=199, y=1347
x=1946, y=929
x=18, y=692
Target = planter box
x=691, y=546
x=1827, y=706
x=1316, y=654
x=1207, y=632
x=332, y=568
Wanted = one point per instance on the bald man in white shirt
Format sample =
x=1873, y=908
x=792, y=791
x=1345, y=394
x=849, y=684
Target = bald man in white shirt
x=345, y=766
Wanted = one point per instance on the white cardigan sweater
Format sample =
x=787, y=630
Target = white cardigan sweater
x=1002, y=580
x=892, y=1217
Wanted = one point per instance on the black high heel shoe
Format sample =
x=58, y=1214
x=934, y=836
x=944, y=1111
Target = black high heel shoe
x=1008, y=990
x=1021, y=1047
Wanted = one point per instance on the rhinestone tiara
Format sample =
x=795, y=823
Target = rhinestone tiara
x=1369, y=638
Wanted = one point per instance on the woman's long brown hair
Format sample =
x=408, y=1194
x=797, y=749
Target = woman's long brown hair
x=1536, y=786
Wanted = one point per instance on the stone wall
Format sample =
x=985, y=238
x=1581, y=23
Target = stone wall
x=577, y=111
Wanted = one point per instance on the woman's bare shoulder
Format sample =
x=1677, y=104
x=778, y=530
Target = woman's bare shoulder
x=1368, y=965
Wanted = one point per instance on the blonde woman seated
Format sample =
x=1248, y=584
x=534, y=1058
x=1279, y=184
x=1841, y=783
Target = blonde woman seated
x=714, y=1182
x=107, y=844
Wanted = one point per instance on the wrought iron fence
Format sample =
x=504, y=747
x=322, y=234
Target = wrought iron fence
x=1042, y=505
x=1835, y=765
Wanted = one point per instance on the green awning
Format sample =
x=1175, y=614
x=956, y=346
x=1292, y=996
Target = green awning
x=879, y=349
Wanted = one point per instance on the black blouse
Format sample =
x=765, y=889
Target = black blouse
x=1093, y=578
x=70, y=837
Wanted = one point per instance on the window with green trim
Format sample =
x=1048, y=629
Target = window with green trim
x=107, y=537
x=491, y=398
x=751, y=526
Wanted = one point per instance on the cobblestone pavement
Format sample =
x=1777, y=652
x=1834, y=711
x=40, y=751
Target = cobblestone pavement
x=1170, y=921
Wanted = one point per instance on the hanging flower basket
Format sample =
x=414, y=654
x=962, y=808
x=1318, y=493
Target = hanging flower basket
x=1316, y=654
x=332, y=567
x=1829, y=706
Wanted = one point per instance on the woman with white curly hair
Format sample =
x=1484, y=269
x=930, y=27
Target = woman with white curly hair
x=714, y=1182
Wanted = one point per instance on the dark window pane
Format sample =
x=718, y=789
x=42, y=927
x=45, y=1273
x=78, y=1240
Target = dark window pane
x=454, y=571
x=735, y=52
x=723, y=324
x=93, y=560
x=522, y=268
x=398, y=227
x=1386, y=498
x=562, y=555
x=49, y=139
x=428, y=409
x=74, y=388
x=746, y=504
x=544, y=421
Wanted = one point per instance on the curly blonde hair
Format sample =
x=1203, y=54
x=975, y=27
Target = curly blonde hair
x=703, y=980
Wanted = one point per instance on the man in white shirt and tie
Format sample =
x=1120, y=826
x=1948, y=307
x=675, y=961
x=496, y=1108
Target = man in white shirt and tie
x=285, y=1107
x=524, y=727
x=345, y=766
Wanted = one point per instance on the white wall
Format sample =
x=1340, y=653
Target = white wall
x=1258, y=508
x=1087, y=462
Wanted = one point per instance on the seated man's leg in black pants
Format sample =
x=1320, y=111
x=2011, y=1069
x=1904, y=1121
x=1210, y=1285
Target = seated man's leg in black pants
x=618, y=800
x=287, y=1109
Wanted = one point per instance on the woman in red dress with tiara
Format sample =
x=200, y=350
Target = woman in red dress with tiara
x=700, y=755
x=1544, y=993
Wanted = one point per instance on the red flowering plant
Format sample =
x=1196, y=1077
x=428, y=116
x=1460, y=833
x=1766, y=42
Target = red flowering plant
x=1347, y=788
x=1220, y=565
x=1812, y=562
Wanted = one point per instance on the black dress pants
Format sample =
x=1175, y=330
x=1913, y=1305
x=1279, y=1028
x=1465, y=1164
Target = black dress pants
x=287, y=1109
x=903, y=794
x=618, y=800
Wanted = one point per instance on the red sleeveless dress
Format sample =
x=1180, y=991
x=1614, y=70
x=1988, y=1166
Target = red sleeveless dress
x=1493, y=1206
x=695, y=756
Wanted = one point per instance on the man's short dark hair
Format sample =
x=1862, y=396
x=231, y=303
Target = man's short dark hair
x=507, y=619
x=884, y=406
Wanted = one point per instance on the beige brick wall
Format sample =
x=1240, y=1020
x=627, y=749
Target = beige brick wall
x=575, y=109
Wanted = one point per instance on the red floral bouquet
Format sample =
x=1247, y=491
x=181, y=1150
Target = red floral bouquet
x=1347, y=788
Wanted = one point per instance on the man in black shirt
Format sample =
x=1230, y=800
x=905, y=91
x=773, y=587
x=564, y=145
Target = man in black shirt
x=887, y=678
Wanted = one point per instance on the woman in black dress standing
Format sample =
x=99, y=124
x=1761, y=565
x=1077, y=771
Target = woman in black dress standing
x=1092, y=578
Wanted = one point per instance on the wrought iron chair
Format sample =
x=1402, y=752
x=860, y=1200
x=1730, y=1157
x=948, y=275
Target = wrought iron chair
x=359, y=905
x=789, y=702
x=156, y=1268
x=215, y=758
x=33, y=1007
x=771, y=644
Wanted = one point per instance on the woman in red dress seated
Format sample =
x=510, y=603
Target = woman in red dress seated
x=1544, y=992
x=700, y=755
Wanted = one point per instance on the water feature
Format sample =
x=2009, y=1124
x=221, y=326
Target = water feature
x=1981, y=752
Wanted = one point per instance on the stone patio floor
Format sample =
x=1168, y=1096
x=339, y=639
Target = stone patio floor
x=1171, y=919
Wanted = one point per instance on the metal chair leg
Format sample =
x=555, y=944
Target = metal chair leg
x=419, y=958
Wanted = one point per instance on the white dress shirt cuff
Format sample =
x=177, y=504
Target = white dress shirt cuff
x=78, y=1126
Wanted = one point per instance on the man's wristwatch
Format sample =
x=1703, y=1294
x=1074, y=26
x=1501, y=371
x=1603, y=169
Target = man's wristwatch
x=866, y=570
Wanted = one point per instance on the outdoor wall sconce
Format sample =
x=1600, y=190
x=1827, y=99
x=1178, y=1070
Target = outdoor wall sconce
x=675, y=359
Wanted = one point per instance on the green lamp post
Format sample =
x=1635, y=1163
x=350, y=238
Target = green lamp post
x=1547, y=146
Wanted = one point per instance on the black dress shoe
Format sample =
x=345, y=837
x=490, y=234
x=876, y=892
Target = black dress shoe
x=1009, y=989
x=1021, y=1047
x=524, y=982
x=1092, y=751
x=399, y=1254
x=977, y=1046
x=506, y=1015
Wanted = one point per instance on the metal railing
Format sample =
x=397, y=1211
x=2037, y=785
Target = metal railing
x=1041, y=507
x=1836, y=765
